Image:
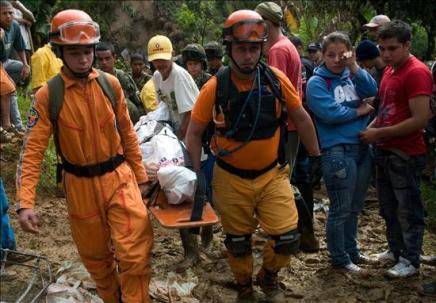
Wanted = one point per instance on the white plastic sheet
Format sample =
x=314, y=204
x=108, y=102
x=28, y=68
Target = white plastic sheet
x=178, y=183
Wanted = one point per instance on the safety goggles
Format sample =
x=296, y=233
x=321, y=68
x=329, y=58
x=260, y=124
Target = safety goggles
x=78, y=32
x=247, y=30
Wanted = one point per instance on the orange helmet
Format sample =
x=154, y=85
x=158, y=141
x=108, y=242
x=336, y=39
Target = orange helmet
x=245, y=26
x=73, y=27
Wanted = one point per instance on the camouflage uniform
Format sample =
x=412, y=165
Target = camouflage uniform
x=213, y=50
x=131, y=93
x=201, y=79
x=141, y=80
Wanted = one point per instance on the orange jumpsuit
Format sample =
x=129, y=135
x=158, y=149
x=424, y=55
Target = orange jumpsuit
x=104, y=210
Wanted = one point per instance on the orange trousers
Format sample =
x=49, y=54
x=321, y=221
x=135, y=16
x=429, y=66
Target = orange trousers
x=267, y=200
x=106, y=212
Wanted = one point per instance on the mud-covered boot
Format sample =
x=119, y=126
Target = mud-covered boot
x=268, y=282
x=308, y=242
x=190, y=247
x=206, y=235
x=246, y=292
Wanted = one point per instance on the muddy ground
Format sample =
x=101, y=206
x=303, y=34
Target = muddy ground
x=308, y=278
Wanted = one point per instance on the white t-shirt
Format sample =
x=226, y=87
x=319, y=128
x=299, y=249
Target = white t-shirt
x=178, y=91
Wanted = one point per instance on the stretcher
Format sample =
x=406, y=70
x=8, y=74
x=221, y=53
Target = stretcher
x=184, y=215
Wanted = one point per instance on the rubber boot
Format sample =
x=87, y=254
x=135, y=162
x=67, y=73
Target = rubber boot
x=245, y=292
x=268, y=282
x=428, y=289
x=206, y=236
x=190, y=247
x=308, y=241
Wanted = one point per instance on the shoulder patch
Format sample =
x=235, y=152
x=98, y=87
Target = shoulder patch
x=33, y=117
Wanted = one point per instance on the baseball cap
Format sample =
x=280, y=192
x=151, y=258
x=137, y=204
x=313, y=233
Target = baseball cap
x=367, y=50
x=377, y=21
x=160, y=47
x=314, y=46
x=270, y=11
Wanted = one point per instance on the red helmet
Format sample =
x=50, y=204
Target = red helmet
x=73, y=27
x=245, y=26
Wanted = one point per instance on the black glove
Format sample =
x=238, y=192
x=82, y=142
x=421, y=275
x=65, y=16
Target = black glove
x=315, y=169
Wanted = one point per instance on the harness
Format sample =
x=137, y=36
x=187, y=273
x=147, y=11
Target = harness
x=250, y=115
x=56, y=88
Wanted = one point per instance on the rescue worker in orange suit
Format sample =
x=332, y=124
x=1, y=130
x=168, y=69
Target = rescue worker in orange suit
x=250, y=180
x=103, y=171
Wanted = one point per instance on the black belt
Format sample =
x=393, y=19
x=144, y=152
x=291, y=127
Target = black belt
x=94, y=170
x=244, y=173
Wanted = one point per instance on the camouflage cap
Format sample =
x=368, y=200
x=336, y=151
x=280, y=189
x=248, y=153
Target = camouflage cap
x=270, y=11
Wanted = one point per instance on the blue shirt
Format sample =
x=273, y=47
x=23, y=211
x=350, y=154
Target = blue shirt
x=12, y=39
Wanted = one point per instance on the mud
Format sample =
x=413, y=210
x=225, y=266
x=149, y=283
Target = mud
x=308, y=278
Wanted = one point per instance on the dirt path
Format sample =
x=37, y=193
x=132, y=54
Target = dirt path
x=308, y=278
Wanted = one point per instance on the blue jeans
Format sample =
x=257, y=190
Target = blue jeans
x=346, y=171
x=13, y=68
x=7, y=233
x=398, y=189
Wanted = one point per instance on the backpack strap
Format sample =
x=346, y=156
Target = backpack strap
x=222, y=90
x=273, y=81
x=56, y=88
x=277, y=92
x=107, y=88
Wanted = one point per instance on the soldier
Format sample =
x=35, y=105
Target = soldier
x=194, y=59
x=138, y=65
x=105, y=55
x=214, y=54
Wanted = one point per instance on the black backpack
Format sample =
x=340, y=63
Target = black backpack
x=223, y=95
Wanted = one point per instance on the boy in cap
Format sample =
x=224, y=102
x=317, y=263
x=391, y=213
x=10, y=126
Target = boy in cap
x=368, y=55
x=314, y=52
x=374, y=24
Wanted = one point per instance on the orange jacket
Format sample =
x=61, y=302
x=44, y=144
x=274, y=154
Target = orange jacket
x=87, y=133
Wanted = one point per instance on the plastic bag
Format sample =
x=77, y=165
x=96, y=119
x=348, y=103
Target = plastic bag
x=178, y=183
x=164, y=149
x=161, y=113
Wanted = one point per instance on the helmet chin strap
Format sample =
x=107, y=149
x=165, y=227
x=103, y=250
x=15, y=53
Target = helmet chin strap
x=245, y=72
x=77, y=75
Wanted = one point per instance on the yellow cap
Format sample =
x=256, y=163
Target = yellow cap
x=160, y=47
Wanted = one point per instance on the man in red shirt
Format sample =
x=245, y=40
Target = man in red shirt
x=283, y=55
x=397, y=132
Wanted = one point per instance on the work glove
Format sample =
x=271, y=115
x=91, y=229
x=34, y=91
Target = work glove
x=315, y=169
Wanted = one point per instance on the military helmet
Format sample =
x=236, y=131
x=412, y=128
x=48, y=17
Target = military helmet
x=194, y=52
x=213, y=50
